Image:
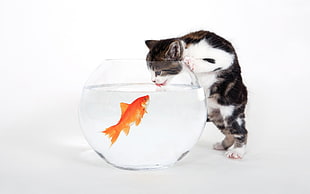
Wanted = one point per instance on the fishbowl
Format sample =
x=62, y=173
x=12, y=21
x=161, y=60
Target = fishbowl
x=134, y=123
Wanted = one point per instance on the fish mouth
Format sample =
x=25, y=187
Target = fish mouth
x=161, y=84
x=146, y=104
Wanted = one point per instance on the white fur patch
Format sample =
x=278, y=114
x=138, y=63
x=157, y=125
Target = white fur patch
x=198, y=52
x=226, y=111
x=235, y=153
x=206, y=80
x=211, y=104
x=239, y=121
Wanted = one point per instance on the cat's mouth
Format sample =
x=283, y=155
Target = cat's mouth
x=161, y=84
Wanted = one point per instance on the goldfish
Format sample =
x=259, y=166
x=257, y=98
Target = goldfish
x=130, y=114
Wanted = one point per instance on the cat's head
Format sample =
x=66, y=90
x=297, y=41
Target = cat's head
x=164, y=59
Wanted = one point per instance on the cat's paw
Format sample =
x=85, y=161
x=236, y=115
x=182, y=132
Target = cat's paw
x=188, y=61
x=218, y=146
x=235, y=153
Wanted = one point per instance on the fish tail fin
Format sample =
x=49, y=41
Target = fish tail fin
x=126, y=129
x=113, y=133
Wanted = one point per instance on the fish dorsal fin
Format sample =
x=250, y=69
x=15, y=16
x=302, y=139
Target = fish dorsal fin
x=124, y=107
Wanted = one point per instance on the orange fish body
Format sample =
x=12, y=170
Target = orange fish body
x=131, y=114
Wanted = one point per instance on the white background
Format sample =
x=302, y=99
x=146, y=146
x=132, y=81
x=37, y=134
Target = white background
x=49, y=48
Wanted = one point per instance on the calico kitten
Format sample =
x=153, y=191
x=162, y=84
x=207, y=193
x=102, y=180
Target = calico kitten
x=214, y=61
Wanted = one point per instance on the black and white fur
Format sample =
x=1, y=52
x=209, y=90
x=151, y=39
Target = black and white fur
x=215, y=63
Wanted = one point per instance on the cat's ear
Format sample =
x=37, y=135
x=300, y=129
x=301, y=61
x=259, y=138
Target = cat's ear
x=151, y=43
x=175, y=50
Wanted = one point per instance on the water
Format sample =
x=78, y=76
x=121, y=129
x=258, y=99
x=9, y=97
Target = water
x=172, y=125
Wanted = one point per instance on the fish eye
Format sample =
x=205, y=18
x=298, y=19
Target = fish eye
x=157, y=73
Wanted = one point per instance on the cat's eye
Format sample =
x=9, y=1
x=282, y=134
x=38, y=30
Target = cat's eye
x=157, y=73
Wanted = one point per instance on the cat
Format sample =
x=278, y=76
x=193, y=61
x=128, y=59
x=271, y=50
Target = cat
x=215, y=63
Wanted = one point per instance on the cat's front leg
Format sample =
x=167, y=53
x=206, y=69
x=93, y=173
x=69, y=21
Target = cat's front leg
x=235, y=148
x=239, y=133
x=235, y=136
x=235, y=152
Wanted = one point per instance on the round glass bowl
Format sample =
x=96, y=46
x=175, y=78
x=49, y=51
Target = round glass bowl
x=133, y=123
